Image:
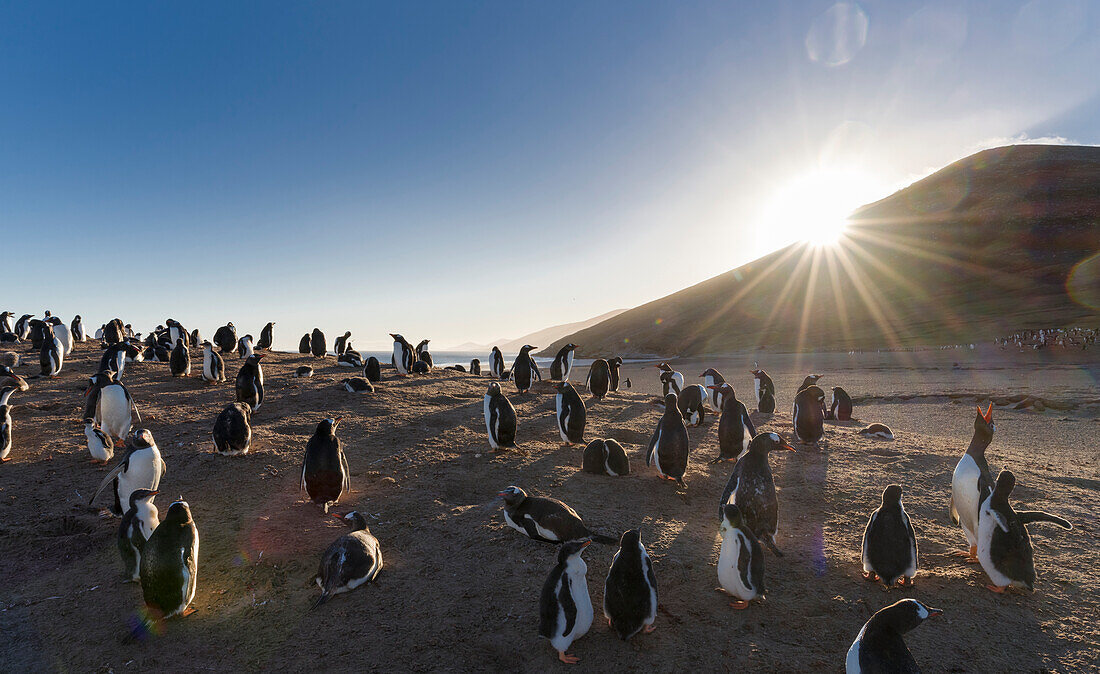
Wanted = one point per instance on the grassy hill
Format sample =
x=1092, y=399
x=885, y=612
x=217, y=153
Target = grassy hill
x=981, y=248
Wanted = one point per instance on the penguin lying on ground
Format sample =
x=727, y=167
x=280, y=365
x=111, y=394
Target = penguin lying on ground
x=741, y=560
x=357, y=385
x=889, y=542
x=350, y=561
x=877, y=431
x=545, y=519
x=303, y=371
x=630, y=591
x=565, y=609
x=879, y=646
x=1004, y=546
x=9, y=378
x=605, y=457
x=137, y=526
x=170, y=563
x=752, y=489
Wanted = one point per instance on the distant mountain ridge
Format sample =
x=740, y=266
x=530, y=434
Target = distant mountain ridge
x=540, y=338
x=982, y=247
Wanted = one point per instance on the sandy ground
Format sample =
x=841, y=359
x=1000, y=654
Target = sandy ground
x=459, y=591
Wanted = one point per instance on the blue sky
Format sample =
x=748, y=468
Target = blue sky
x=469, y=171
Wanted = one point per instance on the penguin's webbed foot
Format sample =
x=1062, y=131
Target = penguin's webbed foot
x=568, y=658
x=649, y=629
x=997, y=588
x=905, y=582
x=187, y=611
x=870, y=576
x=5, y=459
x=739, y=605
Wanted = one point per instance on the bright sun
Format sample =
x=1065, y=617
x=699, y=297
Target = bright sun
x=814, y=208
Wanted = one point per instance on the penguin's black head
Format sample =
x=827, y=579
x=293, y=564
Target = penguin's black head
x=630, y=539
x=89, y=421
x=732, y=517
x=355, y=519
x=244, y=409
x=983, y=423
x=328, y=426
x=1006, y=481
x=758, y=373
x=254, y=358
x=563, y=386
x=229, y=324
x=768, y=442
x=724, y=388
x=206, y=344
x=494, y=389
x=664, y=367
x=397, y=337
x=710, y=371
x=512, y=495
x=179, y=513
x=891, y=496
x=528, y=347
x=670, y=401
x=142, y=495
x=141, y=438
x=572, y=548
x=906, y=615
x=616, y=361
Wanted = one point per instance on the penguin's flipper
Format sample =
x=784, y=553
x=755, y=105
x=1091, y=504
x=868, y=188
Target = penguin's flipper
x=111, y=475
x=533, y=532
x=1029, y=516
x=997, y=518
x=770, y=542
x=569, y=607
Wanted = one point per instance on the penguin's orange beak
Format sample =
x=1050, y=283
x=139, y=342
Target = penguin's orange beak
x=933, y=612
x=586, y=544
x=337, y=516
x=712, y=388
x=787, y=445
x=154, y=492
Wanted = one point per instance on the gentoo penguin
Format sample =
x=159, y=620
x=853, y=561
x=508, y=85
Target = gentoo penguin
x=668, y=448
x=809, y=415
x=23, y=326
x=232, y=432
x=156, y=354
x=671, y=380
x=213, y=367
x=599, y=378
x=422, y=353
x=713, y=381
x=691, y=404
x=403, y=355
x=341, y=343
x=613, y=365
x=421, y=367
x=841, y=408
x=137, y=526
x=501, y=422
x=972, y=482
x=196, y=339
x=176, y=332
x=304, y=345
x=110, y=403
x=735, y=430
x=810, y=380
x=114, y=331
x=63, y=335
x=77, y=329
x=303, y=371
x=40, y=330
x=100, y=445
x=317, y=344
x=889, y=543
x=475, y=367
x=52, y=356
x=563, y=363
x=752, y=489
x=765, y=392
x=496, y=364
x=250, y=382
x=605, y=457
x=877, y=431
x=141, y=467
x=565, y=609
x=571, y=414
x=372, y=371
x=357, y=385
x=630, y=591
x=325, y=473
x=350, y=561
x=267, y=336
x=456, y=368
x=5, y=433
x=349, y=358
x=524, y=371
x=117, y=355
x=9, y=378
x=170, y=563
x=5, y=394
x=741, y=559
x=179, y=363
x=545, y=519
x=226, y=337
x=244, y=347
x=1004, y=546
x=5, y=321
x=879, y=647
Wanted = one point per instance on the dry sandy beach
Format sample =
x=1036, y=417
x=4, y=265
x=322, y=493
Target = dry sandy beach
x=459, y=591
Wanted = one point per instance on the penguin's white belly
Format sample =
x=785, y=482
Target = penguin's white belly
x=562, y=422
x=712, y=396
x=986, y=524
x=657, y=455
x=964, y=492
x=578, y=589
x=567, y=366
x=679, y=379
x=851, y=663
x=96, y=448
x=144, y=473
x=399, y=359
x=115, y=415
x=745, y=439
x=728, y=575
x=64, y=337
x=488, y=427
x=756, y=387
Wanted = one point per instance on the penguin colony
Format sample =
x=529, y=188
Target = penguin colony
x=161, y=553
